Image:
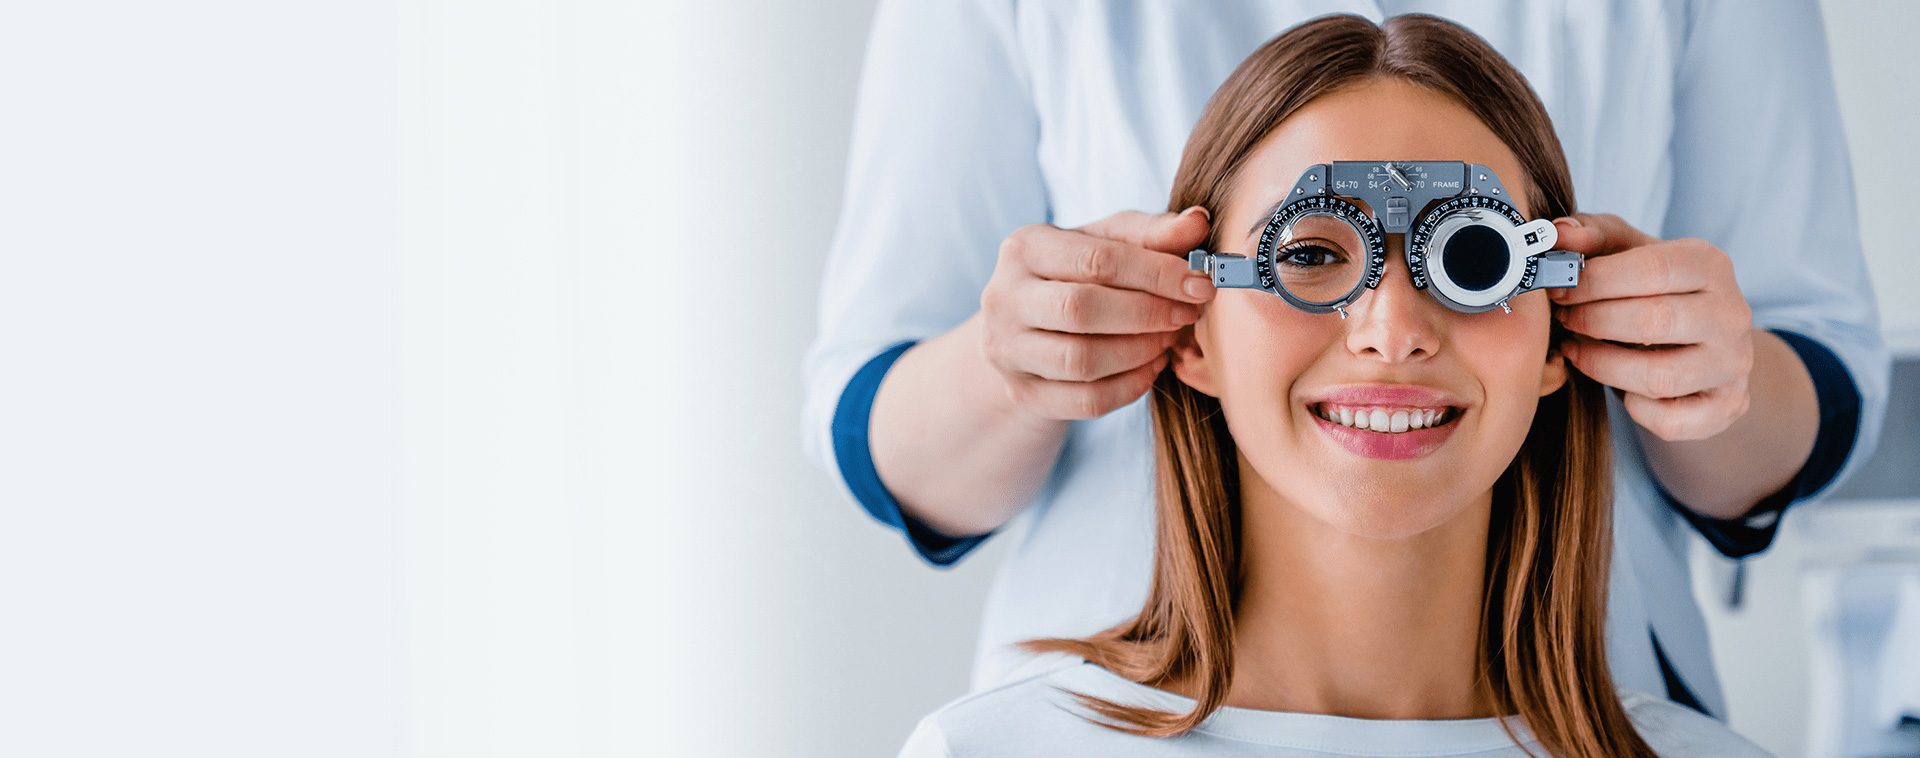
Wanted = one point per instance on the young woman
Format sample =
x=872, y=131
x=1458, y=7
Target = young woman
x=1324, y=588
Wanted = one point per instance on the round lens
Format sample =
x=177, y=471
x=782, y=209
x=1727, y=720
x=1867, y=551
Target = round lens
x=1475, y=257
x=1319, y=257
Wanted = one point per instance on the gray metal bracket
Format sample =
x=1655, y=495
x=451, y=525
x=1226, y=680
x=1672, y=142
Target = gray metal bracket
x=1558, y=269
x=1226, y=270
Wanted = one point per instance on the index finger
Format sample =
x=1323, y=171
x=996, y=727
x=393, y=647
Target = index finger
x=1071, y=256
x=1166, y=232
x=1598, y=234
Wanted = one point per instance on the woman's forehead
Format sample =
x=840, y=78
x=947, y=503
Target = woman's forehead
x=1384, y=119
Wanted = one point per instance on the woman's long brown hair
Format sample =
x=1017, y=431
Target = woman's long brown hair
x=1542, y=646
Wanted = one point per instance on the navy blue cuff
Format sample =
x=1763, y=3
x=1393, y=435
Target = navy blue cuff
x=855, y=455
x=1839, y=426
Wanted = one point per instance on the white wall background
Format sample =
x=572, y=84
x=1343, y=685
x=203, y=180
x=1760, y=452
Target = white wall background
x=422, y=378
x=1872, y=48
x=614, y=219
x=199, y=543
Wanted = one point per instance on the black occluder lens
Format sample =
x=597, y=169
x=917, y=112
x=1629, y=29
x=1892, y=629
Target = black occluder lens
x=1475, y=258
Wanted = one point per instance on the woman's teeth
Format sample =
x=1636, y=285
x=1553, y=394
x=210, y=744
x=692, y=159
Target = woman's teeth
x=1389, y=421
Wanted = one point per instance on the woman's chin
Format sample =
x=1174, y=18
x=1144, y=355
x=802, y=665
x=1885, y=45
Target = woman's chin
x=1364, y=497
x=1388, y=514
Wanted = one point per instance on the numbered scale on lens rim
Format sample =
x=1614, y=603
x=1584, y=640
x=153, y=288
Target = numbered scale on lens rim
x=1324, y=205
x=1417, y=247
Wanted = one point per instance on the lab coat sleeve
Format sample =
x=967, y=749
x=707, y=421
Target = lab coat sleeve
x=1761, y=170
x=943, y=166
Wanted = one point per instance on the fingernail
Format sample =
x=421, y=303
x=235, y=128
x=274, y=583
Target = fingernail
x=1203, y=213
x=1197, y=286
x=1569, y=220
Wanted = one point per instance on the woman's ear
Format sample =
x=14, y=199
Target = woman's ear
x=1189, y=359
x=1555, y=374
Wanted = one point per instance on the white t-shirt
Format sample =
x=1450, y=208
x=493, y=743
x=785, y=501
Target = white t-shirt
x=1036, y=715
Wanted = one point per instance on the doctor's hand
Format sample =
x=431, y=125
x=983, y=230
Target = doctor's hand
x=1078, y=321
x=1661, y=320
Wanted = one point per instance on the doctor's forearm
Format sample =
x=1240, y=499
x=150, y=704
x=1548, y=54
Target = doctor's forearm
x=1726, y=475
x=948, y=442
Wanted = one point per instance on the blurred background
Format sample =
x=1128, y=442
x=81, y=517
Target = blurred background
x=422, y=378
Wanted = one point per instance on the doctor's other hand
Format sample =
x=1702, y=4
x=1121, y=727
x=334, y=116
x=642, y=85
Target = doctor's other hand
x=1661, y=320
x=1078, y=321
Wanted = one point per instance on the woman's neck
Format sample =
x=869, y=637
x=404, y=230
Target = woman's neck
x=1329, y=622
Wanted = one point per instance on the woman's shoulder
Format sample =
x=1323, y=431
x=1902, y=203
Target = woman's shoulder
x=1675, y=730
x=1031, y=711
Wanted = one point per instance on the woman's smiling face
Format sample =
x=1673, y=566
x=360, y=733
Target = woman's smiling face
x=1276, y=369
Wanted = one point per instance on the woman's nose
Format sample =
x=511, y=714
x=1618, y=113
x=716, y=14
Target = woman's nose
x=1394, y=322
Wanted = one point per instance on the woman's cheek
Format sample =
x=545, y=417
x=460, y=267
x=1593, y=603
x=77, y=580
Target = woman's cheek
x=1265, y=347
x=1506, y=353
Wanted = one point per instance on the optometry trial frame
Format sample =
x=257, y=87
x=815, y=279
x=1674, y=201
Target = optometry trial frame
x=1466, y=245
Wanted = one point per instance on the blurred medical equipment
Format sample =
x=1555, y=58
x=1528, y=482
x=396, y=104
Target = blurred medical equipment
x=1863, y=624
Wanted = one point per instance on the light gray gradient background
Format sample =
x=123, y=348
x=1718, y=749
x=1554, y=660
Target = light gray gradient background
x=422, y=378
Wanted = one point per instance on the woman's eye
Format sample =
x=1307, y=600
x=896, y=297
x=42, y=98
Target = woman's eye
x=1309, y=256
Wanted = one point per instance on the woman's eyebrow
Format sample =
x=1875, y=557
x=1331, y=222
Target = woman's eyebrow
x=1265, y=216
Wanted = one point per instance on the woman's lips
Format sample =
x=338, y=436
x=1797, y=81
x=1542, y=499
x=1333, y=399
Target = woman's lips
x=1387, y=445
